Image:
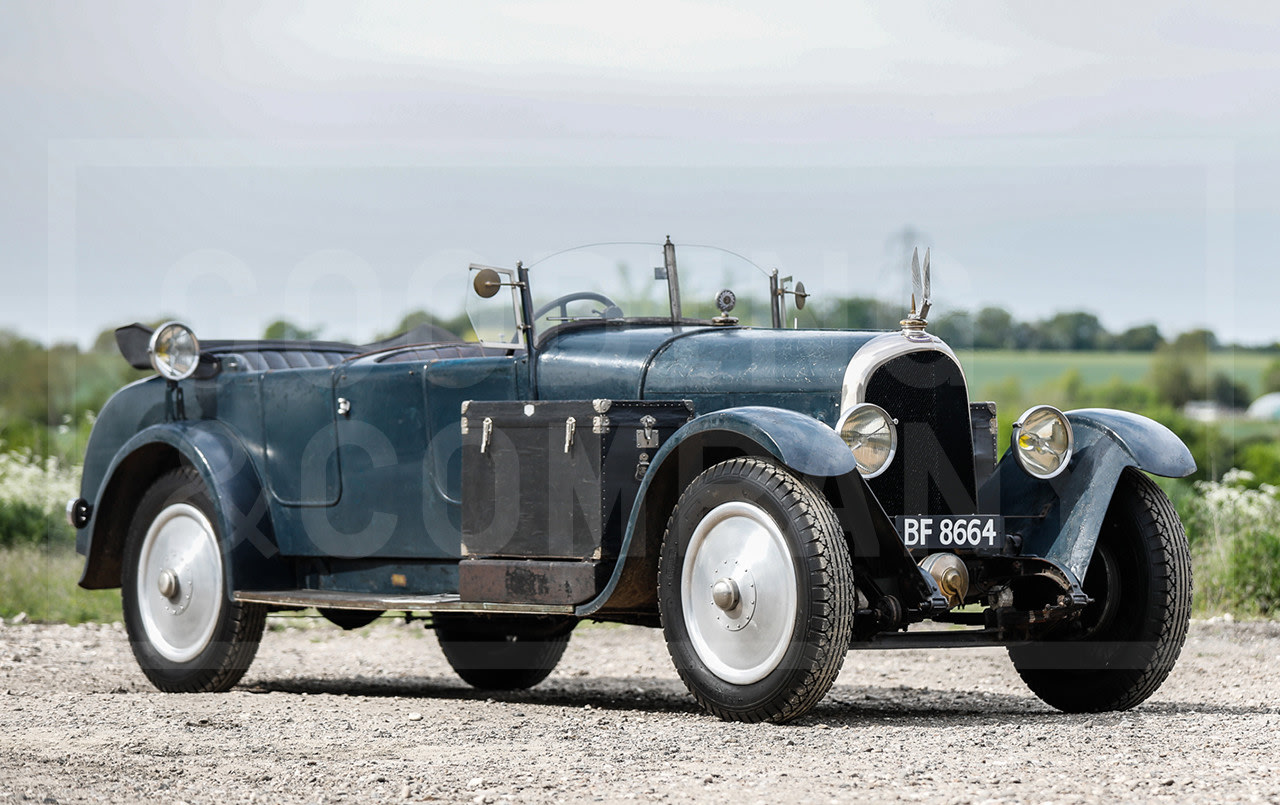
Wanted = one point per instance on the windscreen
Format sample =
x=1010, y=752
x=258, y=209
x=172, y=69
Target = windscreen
x=633, y=281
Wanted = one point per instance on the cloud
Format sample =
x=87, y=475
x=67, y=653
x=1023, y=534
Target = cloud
x=1002, y=130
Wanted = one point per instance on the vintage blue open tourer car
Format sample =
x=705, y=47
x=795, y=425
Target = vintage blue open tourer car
x=634, y=435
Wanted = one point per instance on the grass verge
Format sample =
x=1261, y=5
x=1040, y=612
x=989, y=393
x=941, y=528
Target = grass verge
x=1235, y=546
x=42, y=583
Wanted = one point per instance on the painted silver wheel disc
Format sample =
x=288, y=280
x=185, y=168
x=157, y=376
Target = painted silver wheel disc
x=179, y=584
x=740, y=543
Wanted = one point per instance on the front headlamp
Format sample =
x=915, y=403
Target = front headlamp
x=871, y=435
x=174, y=351
x=1042, y=441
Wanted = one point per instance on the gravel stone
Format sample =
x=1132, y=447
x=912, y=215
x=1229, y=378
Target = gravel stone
x=315, y=721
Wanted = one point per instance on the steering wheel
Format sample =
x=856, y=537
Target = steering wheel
x=611, y=310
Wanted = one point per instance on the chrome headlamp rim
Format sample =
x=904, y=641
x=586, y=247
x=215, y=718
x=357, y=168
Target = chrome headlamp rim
x=893, y=436
x=1067, y=455
x=163, y=369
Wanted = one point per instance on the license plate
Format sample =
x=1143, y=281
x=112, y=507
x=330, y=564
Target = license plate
x=952, y=531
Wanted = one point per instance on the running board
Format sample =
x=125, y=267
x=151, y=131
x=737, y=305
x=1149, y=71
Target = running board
x=448, y=602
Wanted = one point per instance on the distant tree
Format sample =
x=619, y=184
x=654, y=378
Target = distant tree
x=1175, y=369
x=1181, y=372
x=281, y=330
x=1143, y=338
x=1117, y=393
x=105, y=341
x=1070, y=388
x=1027, y=336
x=955, y=328
x=24, y=380
x=994, y=329
x=1073, y=331
x=1196, y=341
x=1271, y=377
x=1226, y=391
x=862, y=313
x=1213, y=449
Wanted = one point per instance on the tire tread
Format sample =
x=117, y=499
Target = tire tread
x=1165, y=622
x=235, y=640
x=832, y=602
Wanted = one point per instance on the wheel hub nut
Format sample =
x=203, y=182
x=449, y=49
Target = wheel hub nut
x=168, y=583
x=725, y=594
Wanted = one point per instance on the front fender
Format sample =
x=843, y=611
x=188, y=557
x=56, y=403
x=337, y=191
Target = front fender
x=799, y=442
x=1153, y=447
x=1060, y=519
x=224, y=464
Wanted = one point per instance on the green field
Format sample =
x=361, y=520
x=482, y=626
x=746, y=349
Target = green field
x=1036, y=369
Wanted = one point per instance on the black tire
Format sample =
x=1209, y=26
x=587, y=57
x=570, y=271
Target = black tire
x=724, y=665
x=1129, y=638
x=502, y=652
x=233, y=629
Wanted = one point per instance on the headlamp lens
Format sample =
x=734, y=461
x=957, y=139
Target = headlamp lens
x=871, y=435
x=1042, y=441
x=174, y=350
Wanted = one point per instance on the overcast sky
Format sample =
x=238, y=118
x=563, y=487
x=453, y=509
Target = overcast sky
x=338, y=165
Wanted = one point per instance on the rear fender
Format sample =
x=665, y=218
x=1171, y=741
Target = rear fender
x=1060, y=519
x=223, y=463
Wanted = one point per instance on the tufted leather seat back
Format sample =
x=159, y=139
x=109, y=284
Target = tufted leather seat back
x=261, y=360
x=268, y=359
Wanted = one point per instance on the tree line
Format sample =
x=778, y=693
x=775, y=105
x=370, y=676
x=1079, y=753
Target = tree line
x=996, y=328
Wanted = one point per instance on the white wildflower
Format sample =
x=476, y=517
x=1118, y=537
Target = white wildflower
x=1234, y=532
x=46, y=484
x=1238, y=477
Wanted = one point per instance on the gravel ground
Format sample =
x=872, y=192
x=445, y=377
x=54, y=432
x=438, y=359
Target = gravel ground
x=377, y=716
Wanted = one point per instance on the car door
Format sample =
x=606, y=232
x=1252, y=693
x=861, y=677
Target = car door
x=398, y=456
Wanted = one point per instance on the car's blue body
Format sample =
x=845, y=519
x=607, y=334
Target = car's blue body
x=376, y=492
x=380, y=486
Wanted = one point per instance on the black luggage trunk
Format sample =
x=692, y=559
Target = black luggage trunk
x=556, y=481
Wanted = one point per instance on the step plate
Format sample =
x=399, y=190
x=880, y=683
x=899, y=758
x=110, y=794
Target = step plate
x=408, y=603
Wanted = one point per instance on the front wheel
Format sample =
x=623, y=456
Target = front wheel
x=1127, y=641
x=186, y=634
x=755, y=590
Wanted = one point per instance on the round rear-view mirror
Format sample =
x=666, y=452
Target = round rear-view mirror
x=800, y=296
x=487, y=283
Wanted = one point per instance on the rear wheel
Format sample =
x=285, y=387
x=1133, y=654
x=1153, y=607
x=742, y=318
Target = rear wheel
x=755, y=590
x=1127, y=641
x=187, y=635
x=502, y=652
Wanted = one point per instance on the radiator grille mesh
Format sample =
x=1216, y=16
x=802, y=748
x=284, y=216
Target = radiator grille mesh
x=933, y=471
